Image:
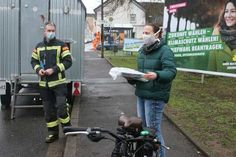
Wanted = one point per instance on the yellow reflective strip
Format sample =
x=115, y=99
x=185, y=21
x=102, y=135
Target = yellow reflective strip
x=54, y=83
x=61, y=66
x=53, y=48
x=36, y=67
x=42, y=83
x=35, y=56
x=65, y=53
x=64, y=121
x=58, y=54
x=40, y=49
x=59, y=76
x=52, y=124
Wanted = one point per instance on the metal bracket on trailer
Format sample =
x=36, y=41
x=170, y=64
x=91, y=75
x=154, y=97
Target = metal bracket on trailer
x=21, y=82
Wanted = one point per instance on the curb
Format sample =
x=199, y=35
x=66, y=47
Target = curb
x=71, y=141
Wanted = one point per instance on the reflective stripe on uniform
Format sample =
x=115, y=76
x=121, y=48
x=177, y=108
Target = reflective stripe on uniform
x=58, y=54
x=40, y=49
x=61, y=66
x=36, y=67
x=58, y=48
x=65, y=120
x=52, y=124
x=35, y=56
x=52, y=83
x=59, y=76
x=42, y=83
x=65, y=53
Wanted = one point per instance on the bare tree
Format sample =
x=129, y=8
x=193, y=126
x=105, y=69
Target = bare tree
x=154, y=12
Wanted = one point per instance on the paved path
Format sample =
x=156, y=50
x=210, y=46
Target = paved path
x=23, y=136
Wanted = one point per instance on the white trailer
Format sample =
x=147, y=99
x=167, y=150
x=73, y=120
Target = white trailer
x=22, y=23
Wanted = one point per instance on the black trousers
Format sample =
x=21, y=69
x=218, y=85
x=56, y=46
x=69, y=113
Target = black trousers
x=55, y=107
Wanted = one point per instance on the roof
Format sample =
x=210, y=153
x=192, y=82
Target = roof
x=109, y=1
x=123, y=26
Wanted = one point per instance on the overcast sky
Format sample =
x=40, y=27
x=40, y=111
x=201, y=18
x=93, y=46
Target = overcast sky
x=92, y=4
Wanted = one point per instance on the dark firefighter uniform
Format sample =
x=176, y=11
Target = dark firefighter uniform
x=54, y=54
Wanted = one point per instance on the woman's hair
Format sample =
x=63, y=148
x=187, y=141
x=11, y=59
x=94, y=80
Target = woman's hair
x=221, y=23
x=155, y=28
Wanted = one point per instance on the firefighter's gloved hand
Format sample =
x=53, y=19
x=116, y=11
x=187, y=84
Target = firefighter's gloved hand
x=41, y=72
x=49, y=72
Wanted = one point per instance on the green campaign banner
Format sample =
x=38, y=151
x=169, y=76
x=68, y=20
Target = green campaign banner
x=202, y=34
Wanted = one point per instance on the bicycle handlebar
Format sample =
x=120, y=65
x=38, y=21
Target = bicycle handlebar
x=69, y=129
x=89, y=131
x=94, y=134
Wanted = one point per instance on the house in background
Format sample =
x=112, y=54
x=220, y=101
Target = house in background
x=91, y=27
x=122, y=18
x=125, y=18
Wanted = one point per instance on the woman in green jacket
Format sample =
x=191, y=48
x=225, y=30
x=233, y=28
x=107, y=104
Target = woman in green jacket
x=225, y=60
x=156, y=60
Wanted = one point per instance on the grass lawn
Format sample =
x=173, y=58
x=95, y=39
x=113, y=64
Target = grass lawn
x=206, y=112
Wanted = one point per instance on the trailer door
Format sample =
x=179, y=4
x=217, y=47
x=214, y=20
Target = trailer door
x=33, y=14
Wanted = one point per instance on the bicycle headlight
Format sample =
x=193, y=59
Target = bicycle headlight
x=144, y=133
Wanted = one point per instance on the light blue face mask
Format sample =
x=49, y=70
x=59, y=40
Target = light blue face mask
x=51, y=35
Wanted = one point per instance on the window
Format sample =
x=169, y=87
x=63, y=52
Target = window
x=133, y=18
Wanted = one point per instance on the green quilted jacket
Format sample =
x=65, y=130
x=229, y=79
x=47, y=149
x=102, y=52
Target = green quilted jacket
x=156, y=58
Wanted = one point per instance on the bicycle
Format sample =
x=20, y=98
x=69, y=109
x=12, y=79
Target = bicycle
x=131, y=140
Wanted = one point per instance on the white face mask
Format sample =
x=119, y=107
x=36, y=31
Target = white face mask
x=50, y=35
x=149, y=39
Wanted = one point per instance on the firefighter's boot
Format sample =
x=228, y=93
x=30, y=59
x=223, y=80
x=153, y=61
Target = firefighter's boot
x=53, y=134
x=51, y=138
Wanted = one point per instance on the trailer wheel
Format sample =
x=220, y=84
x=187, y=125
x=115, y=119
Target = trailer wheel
x=6, y=99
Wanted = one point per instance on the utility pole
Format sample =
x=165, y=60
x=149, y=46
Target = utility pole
x=102, y=32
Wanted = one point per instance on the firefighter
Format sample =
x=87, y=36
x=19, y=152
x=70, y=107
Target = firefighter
x=50, y=59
